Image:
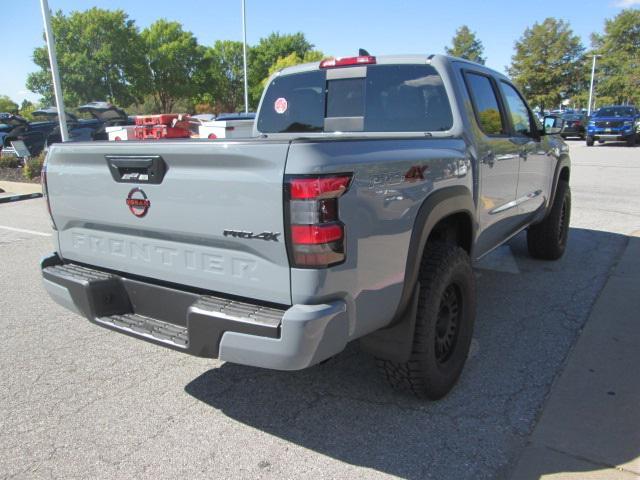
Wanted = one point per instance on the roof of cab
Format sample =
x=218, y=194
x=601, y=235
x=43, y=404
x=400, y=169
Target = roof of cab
x=396, y=59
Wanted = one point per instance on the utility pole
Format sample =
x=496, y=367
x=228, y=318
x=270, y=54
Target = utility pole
x=593, y=73
x=57, y=88
x=244, y=58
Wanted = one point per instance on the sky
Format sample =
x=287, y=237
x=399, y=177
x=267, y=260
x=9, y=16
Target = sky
x=337, y=27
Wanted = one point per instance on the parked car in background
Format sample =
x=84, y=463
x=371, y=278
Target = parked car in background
x=228, y=125
x=113, y=122
x=79, y=130
x=614, y=123
x=5, y=126
x=574, y=125
x=33, y=134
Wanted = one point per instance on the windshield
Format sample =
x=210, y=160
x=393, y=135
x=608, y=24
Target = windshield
x=390, y=98
x=615, y=112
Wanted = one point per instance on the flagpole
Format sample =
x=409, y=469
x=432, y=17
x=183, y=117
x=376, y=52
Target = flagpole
x=51, y=47
x=244, y=58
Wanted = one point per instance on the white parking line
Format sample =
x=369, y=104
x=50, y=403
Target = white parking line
x=23, y=230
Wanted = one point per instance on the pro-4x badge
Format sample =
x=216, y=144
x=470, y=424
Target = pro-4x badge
x=138, y=202
x=251, y=236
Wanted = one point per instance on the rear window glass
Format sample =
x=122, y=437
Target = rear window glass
x=391, y=98
x=294, y=103
x=345, y=98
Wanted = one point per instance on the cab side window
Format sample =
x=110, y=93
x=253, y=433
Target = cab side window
x=518, y=111
x=485, y=104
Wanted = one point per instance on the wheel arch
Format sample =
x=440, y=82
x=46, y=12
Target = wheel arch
x=562, y=173
x=447, y=210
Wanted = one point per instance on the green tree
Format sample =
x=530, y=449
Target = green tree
x=618, y=68
x=99, y=56
x=548, y=63
x=26, y=108
x=8, y=105
x=291, y=60
x=266, y=53
x=465, y=44
x=172, y=58
x=221, y=81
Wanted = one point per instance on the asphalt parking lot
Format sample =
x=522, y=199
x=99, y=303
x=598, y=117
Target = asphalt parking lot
x=77, y=401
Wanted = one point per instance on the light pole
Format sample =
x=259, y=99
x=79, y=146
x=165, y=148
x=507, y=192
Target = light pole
x=57, y=89
x=593, y=73
x=244, y=58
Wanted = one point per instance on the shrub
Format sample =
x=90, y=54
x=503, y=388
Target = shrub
x=9, y=162
x=33, y=167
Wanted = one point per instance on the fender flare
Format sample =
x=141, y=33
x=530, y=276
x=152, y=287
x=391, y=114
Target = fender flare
x=395, y=341
x=563, y=162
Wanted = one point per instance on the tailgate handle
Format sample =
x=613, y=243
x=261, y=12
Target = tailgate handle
x=137, y=169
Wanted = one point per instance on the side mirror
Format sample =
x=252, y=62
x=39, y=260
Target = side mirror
x=552, y=125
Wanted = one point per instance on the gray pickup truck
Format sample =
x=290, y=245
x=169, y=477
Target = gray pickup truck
x=355, y=212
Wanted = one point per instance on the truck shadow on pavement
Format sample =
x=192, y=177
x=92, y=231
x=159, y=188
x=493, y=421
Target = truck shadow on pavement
x=529, y=316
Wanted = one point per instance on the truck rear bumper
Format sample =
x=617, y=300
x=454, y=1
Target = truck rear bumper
x=234, y=330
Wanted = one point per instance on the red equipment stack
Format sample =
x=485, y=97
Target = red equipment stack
x=155, y=127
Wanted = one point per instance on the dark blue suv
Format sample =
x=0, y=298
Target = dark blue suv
x=617, y=122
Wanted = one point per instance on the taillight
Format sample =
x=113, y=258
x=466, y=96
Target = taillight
x=212, y=136
x=348, y=61
x=45, y=190
x=316, y=235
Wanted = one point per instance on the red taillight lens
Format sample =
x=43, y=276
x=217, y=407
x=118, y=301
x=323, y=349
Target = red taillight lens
x=577, y=124
x=348, y=61
x=316, y=236
x=212, y=136
x=319, y=187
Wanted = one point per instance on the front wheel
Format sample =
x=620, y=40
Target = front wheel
x=444, y=325
x=589, y=141
x=631, y=141
x=547, y=240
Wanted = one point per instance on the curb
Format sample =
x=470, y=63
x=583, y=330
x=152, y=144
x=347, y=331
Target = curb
x=16, y=198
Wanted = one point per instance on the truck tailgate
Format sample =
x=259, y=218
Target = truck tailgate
x=176, y=211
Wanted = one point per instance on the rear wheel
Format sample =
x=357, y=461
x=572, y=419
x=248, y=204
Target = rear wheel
x=589, y=141
x=444, y=325
x=631, y=141
x=547, y=240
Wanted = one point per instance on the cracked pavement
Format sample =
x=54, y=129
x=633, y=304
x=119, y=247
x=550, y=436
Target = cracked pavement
x=77, y=401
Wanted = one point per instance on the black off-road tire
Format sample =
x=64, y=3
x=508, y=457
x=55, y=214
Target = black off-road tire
x=547, y=240
x=631, y=141
x=444, y=325
x=589, y=141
